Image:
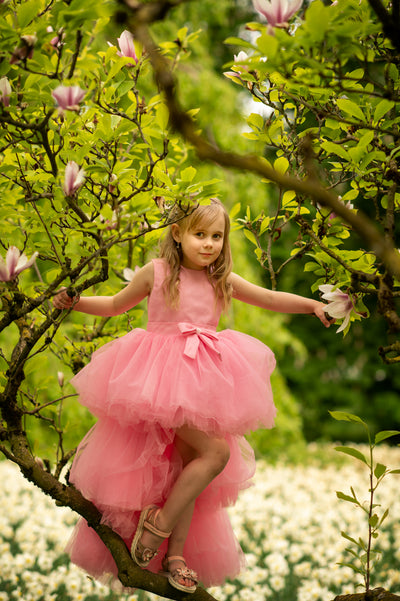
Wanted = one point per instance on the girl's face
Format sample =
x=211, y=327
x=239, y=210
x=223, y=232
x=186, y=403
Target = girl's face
x=202, y=245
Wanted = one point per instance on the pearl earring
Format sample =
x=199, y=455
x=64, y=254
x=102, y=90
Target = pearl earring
x=178, y=246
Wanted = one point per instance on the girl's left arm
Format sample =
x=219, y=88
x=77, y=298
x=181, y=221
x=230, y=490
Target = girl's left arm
x=282, y=302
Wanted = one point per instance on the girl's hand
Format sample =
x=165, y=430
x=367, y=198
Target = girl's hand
x=62, y=300
x=319, y=311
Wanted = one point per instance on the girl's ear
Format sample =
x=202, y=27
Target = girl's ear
x=176, y=232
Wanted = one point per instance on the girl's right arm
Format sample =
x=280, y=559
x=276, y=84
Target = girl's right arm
x=106, y=306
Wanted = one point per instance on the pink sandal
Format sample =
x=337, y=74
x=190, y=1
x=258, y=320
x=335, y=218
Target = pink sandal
x=179, y=574
x=142, y=555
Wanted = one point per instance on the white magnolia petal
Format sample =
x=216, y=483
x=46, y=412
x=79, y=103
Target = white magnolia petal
x=128, y=274
x=326, y=287
x=4, y=273
x=25, y=264
x=12, y=258
x=344, y=324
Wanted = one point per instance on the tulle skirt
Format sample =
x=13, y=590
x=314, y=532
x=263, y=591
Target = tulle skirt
x=142, y=387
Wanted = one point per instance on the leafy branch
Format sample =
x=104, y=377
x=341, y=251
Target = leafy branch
x=364, y=552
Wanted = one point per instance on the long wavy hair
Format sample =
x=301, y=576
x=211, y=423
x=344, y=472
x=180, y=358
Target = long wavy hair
x=218, y=272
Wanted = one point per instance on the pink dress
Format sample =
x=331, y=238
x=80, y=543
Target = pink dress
x=144, y=385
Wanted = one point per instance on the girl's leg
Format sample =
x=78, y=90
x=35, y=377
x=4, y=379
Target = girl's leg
x=204, y=458
x=210, y=454
x=177, y=540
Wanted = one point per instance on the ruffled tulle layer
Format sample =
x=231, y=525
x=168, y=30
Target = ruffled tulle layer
x=146, y=376
x=137, y=466
x=211, y=550
x=142, y=387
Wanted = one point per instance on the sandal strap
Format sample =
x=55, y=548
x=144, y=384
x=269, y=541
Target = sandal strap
x=175, y=557
x=151, y=527
x=180, y=572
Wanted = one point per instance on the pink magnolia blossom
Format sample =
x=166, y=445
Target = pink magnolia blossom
x=14, y=264
x=24, y=50
x=238, y=59
x=58, y=40
x=126, y=45
x=5, y=91
x=340, y=305
x=277, y=12
x=68, y=97
x=73, y=178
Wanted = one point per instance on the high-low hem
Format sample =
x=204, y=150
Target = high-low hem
x=143, y=387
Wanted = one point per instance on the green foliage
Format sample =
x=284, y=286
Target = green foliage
x=134, y=170
x=363, y=556
x=329, y=90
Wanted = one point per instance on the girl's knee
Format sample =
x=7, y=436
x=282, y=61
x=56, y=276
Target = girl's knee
x=219, y=454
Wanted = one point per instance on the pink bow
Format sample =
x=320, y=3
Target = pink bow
x=193, y=337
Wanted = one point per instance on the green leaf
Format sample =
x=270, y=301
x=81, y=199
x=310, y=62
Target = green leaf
x=349, y=565
x=341, y=495
x=350, y=108
x=26, y=12
x=256, y=121
x=383, y=518
x=382, y=108
x=162, y=116
x=385, y=434
x=332, y=148
x=250, y=236
x=188, y=174
x=239, y=42
x=353, y=453
x=342, y=416
x=267, y=44
x=281, y=165
x=235, y=210
x=373, y=520
x=379, y=470
x=347, y=537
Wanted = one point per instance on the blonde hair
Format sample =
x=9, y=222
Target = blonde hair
x=218, y=272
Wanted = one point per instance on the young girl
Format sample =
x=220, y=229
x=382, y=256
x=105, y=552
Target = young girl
x=167, y=454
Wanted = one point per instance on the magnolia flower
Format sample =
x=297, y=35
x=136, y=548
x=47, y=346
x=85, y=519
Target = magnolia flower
x=60, y=378
x=126, y=45
x=348, y=205
x=73, y=178
x=24, y=50
x=238, y=58
x=14, y=264
x=241, y=57
x=129, y=273
x=277, y=12
x=340, y=304
x=56, y=41
x=5, y=91
x=68, y=97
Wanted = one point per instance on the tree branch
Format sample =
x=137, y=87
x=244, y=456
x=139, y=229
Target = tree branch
x=390, y=24
x=183, y=123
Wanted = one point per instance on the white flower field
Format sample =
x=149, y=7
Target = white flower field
x=289, y=524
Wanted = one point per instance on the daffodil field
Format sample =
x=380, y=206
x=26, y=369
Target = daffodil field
x=288, y=523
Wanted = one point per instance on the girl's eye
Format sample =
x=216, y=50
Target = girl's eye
x=217, y=236
x=199, y=234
